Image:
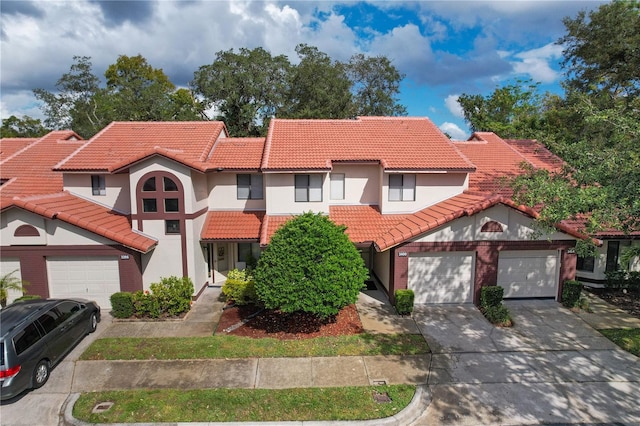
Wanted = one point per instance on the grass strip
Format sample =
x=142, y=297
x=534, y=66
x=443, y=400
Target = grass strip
x=243, y=405
x=137, y=348
x=627, y=338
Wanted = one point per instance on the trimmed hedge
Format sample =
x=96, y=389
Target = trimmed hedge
x=491, y=296
x=242, y=292
x=491, y=306
x=404, y=301
x=122, y=304
x=571, y=293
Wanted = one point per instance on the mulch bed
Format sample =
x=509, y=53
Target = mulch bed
x=628, y=302
x=279, y=325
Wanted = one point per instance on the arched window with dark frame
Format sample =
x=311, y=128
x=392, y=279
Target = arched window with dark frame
x=160, y=195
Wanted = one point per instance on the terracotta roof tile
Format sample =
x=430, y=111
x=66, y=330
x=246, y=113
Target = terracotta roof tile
x=232, y=225
x=237, y=154
x=29, y=170
x=10, y=145
x=397, y=143
x=123, y=143
x=87, y=215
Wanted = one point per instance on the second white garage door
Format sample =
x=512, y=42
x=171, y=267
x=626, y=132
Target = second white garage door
x=528, y=273
x=93, y=278
x=441, y=277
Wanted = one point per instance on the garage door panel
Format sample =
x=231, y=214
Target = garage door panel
x=94, y=278
x=441, y=277
x=528, y=273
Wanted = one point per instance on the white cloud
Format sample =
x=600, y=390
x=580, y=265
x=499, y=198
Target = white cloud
x=453, y=106
x=536, y=63
x=454, y=131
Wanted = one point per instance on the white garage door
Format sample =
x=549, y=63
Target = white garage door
x=7, y=266
x=441, y=277
x=93, y=278
x=528, y=273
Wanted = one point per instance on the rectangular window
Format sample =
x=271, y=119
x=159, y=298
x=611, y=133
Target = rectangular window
x=172, y=226
x=308, y=188
x=402, y=187
x=171, y=205
x=586, y=264
x=98, y=186
x=249, y=187
x=149, y=205
x=246, y=251
x=337, y=186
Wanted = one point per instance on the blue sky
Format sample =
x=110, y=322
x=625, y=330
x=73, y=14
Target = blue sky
x=444, y=48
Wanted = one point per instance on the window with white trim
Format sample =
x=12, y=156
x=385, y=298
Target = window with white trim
x=308, y=188
x=402, y=187
x=337, y=186
x=98, y=185
x=249, y=187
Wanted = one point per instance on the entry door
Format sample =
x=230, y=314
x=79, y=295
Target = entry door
x=222, y=256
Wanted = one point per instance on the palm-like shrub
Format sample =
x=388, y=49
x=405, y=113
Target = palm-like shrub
x=310, y=266
x=9, y=282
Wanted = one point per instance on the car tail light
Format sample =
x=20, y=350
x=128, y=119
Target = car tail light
x=7, y=374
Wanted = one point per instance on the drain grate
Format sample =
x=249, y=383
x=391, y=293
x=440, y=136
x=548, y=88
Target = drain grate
x=378, y=382
x=102, y=407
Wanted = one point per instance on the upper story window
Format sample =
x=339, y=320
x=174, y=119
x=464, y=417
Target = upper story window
x=98, y=186
x=249, y=187
x=169, y=185
x=308, y=188
x=337, y=186
x=402, y=187
x=149, y=185
x=161, y=197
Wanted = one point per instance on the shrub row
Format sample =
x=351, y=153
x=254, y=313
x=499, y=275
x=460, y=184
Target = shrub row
x=623, y=279
x=170, y=297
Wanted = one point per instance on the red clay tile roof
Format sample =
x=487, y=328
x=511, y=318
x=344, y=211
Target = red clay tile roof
x=10, y=145
x=29, y=169
x=270, y=225
x=122, y=143
x=237, y=154
x=232, y=225
x=364, y=223
x=397, y=143
x=87, y=215
x=497, y=160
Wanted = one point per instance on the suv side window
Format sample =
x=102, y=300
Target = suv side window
x=49, y=321
x=25, y=338
x=67, y=310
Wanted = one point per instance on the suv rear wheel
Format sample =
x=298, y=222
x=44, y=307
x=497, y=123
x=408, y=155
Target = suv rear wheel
x=41, y=374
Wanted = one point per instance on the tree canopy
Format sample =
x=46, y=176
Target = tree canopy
x=134, y=91
x=594, y=127
x=25, y=127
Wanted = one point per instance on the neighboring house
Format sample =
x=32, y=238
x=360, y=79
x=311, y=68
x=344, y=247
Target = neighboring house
x=144, y=200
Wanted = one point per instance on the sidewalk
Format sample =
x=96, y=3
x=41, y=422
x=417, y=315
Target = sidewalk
x=603, y=315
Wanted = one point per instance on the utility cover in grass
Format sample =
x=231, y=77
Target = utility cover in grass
x=311, y=266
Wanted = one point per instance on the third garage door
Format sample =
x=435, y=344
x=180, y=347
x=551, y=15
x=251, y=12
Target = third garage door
x=441, y=277
x=93, y=278
x=532, y=273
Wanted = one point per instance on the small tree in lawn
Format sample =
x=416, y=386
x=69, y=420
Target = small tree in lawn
x=310, y=266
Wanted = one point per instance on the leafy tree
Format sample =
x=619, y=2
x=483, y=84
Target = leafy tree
x=511, y=111
x=245, y=88
x=9, y=282
x=134, y=91
x=75, y=105
x=375, y=86
x=310, y=266
x=25, y=127
x=319, y=87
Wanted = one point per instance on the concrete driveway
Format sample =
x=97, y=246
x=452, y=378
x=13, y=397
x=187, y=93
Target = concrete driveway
x=551, y=367
x=42, y=406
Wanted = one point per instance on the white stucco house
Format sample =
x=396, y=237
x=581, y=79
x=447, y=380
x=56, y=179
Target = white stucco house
x=145, y=200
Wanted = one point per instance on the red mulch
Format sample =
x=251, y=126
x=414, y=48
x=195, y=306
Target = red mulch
x=278, y=325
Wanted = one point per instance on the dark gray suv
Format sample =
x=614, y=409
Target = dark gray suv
x=35, y=335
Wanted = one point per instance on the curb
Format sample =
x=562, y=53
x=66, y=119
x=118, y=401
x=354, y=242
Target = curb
x=419, y=403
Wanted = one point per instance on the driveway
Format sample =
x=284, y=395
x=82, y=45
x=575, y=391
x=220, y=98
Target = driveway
x=550, y=367
x=42, y=406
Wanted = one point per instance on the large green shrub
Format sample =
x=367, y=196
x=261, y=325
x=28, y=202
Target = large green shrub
x=173, y=295
x=145, y=305
x=122, y=304
x=491, y=296
x=571, y=291
x=491, y=306
x=404, y=301
x=310, y=266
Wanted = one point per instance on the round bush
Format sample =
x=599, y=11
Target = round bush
x=310, y=266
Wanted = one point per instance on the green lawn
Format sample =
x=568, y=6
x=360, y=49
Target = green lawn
x=225, y=405
x=135, y=348
x=627, y=338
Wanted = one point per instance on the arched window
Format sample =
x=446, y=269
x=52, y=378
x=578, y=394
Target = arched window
x=26, y=231
x=161, y=196
x=491, y=226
